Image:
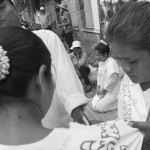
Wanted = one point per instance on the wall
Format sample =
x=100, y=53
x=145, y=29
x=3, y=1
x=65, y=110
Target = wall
x=95, y=12
x=88, y=35
x=85, y=21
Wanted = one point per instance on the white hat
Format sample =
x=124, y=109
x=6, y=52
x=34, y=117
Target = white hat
x=41, y=8
x=75, y=44
x=63, y=5
x=13, y=1
x=103, y=42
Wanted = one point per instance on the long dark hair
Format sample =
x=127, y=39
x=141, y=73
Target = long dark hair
x=131, y=26
x=27, y=53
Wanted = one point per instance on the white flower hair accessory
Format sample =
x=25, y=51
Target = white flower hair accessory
x=103, y=42
x=4, y=64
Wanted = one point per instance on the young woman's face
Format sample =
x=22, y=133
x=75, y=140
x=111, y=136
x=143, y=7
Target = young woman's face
x=8, y=14
x=136, y=63
x=100, y=57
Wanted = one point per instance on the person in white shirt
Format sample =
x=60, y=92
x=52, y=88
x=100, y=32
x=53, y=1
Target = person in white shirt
x=108, y=80
x=69, y=93
x=45, y=19
x=79, y=60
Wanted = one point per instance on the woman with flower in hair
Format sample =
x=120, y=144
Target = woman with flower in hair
x=108, y=80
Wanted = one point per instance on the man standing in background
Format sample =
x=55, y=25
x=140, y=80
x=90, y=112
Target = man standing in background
x=45, y=19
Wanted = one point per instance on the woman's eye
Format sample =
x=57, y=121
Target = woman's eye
x=132, y=62
x=2, y=6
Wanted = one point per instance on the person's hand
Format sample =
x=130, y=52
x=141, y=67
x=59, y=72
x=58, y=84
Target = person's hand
x=59, y=26
x=98, y=92
x=103, y=93
x=76, y=114
x=76, y=67
x=92, y=122
x=145, y=128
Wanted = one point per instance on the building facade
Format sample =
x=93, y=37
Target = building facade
x=85, y=21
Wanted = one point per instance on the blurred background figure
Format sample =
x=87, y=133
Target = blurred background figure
x=79, y=59
x=108, y=80
x=66, y=25
x=45, y=19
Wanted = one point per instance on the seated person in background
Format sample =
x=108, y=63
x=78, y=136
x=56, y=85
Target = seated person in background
x=79, y=59
x=26, y=91
x=108, y=80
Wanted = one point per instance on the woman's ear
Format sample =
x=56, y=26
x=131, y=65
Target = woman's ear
x=41, y=77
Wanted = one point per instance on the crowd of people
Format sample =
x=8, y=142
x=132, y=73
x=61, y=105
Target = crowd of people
x=107, y=10
x=41, y=92
x=43, y=20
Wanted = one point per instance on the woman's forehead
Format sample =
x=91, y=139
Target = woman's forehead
x=127, y=52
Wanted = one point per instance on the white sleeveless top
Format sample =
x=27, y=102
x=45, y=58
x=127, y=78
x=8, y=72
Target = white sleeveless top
x=54, y=141
x=115, y=135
